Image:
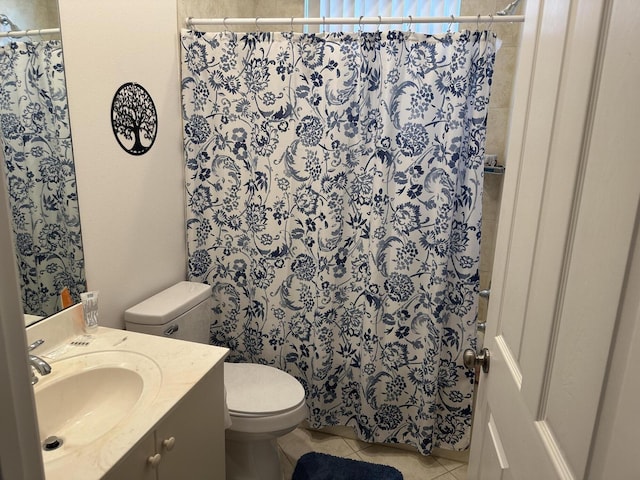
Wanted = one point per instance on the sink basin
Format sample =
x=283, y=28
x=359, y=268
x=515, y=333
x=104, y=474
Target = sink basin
x=86, y=396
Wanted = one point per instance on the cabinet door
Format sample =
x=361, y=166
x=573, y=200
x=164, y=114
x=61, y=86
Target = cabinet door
x=191, y=438
x=135, y=465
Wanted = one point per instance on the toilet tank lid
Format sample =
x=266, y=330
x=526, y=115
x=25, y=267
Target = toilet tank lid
x=168, y=304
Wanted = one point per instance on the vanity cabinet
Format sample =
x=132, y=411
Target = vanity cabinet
x=187, y=443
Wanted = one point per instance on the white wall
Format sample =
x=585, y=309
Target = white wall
x=132, y=207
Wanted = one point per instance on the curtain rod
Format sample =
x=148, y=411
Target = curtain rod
x=27, y=33
x=257, y=21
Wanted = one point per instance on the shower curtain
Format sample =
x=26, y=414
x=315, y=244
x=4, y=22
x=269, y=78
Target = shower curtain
x=38, y=159
x=334, y=187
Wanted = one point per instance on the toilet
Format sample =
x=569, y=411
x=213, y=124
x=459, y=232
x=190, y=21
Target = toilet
x=264, y=403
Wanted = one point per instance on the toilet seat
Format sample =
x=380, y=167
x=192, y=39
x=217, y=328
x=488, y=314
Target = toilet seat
x=259, y=390
x=262, y=399
x=236, y=413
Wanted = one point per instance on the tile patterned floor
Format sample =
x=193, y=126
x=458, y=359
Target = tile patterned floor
x=412, y=465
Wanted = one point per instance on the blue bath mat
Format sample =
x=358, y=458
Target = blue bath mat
x=319, y=466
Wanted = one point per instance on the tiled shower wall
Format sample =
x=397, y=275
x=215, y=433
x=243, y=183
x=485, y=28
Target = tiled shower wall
x=497, y=127
x=241, y=8
x=32, y=14
x=499, y=107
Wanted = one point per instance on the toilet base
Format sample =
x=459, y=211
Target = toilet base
x=253, y=459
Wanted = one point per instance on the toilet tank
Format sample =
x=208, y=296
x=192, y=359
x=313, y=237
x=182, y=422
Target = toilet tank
x=182, y=311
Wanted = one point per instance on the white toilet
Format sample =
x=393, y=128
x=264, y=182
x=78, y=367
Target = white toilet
x=264, y=403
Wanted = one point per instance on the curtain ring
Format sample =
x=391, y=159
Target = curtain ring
x=453, y=18
x=224, y=22
x=478, y=23
x=291, y=25
x=360, y=23
x=324, y=24
x=410, y=24
x=256, y=22
x=491, y=22
x=379, y=22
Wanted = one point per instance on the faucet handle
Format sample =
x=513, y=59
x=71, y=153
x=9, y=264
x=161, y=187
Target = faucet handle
x=35, y=344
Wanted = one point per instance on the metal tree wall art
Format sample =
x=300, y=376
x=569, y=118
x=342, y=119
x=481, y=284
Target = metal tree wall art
x=134, y=119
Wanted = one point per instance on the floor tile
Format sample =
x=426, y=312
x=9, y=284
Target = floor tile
x=460, y=473
x=301, y=441
x=357, y=445
x=286, y=464
x=413, y=465
x=446, y=476
x=449, y=464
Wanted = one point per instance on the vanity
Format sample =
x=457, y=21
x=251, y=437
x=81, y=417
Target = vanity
x=125, y=405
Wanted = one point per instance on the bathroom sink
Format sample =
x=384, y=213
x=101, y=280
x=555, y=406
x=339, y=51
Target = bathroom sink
x=87, y=396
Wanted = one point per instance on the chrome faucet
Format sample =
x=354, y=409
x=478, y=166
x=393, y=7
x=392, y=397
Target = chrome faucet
x=37, y=363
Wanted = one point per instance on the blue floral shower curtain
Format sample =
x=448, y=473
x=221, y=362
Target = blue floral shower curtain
x=334, y=187
x=36, y=140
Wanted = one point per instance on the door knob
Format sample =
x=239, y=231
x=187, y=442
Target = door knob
x=472, y=359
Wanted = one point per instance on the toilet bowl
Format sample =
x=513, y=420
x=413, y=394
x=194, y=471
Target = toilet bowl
x=264, y=403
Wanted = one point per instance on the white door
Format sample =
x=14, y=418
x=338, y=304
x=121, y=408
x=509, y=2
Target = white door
x=569, y=211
